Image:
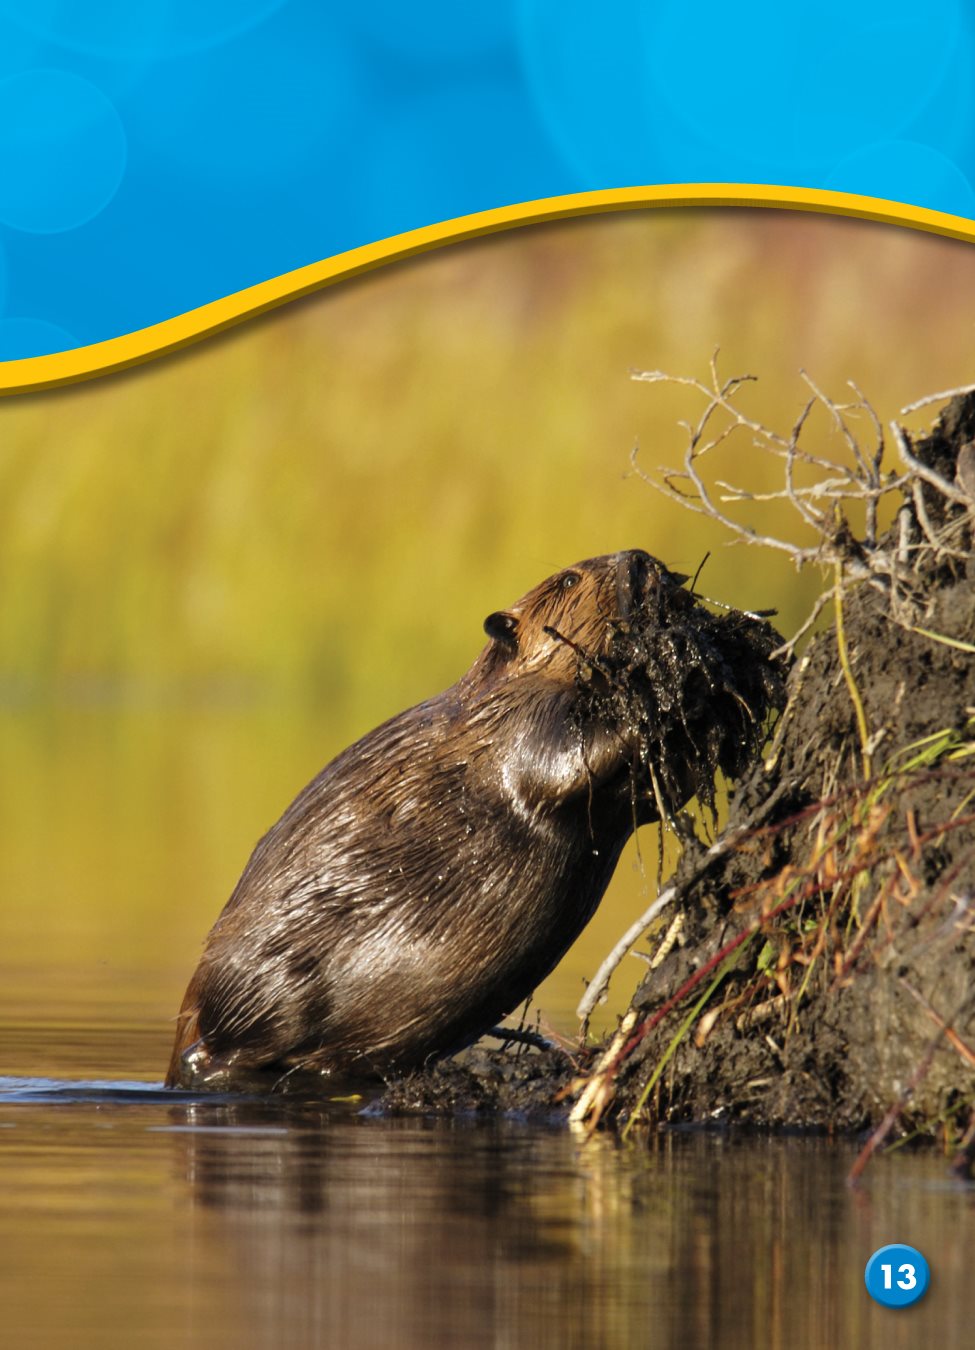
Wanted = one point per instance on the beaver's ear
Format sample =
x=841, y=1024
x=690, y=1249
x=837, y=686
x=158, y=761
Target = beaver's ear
x=502, y=626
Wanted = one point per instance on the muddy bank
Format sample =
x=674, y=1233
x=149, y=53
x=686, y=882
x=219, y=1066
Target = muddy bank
x=858, y=992
x=818, y=970
x=514, y=1081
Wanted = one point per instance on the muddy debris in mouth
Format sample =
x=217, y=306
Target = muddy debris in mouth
x=820, y=954
x=697, y=688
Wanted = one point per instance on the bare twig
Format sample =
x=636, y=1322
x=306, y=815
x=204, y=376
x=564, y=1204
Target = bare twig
x=924, y=471
x=600, y=981
x=852, y=477
x=599, y=1091
x=937, y=398
x=789, y=647
x=725, y=844
x=818, y=504
x=864, y=473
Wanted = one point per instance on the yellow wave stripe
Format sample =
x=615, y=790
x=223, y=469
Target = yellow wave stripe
x=102, y=358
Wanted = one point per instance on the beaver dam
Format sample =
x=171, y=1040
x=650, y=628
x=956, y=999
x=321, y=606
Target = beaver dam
x=813, y=965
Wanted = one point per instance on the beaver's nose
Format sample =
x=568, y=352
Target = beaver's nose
x=634, y=569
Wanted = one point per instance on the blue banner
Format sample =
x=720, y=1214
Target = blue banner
x=158, y=157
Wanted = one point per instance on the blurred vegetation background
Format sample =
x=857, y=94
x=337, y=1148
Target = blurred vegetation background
x=219, y=569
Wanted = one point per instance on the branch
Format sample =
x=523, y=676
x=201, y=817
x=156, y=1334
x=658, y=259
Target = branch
x=727, y=843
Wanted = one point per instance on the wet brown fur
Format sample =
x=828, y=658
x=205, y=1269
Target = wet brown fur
x=431, y=875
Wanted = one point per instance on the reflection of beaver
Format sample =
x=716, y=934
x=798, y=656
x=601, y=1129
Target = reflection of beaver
x=428, y=878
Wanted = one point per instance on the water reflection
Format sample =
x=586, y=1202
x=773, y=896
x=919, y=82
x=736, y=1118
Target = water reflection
x=130, y=1216
x=400, y=1232
x=396, y=1232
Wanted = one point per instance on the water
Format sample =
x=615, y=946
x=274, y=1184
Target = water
x=131, y=1216
x=134, y=1217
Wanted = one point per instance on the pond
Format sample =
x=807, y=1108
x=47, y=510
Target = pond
x=134, y=1217
x=130, y=1217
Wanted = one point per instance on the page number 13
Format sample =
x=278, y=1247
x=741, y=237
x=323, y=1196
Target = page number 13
x=907, y=1276
x=896, y=1275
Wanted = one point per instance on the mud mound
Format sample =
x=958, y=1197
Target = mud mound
x=824, y=974
x=695, y=687
x=824, y=1015
x=514, y=1081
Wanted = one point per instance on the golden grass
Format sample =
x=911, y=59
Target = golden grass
x=336, y=495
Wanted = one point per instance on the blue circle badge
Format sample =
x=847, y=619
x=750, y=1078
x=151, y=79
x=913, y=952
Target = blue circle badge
x=897, y=1275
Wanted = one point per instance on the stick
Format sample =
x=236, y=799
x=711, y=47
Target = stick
x=728, y=841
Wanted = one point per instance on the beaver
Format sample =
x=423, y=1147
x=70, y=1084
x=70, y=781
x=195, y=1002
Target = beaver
x=422, y=885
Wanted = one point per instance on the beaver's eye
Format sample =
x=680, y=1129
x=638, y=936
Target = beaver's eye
x=569, y=579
